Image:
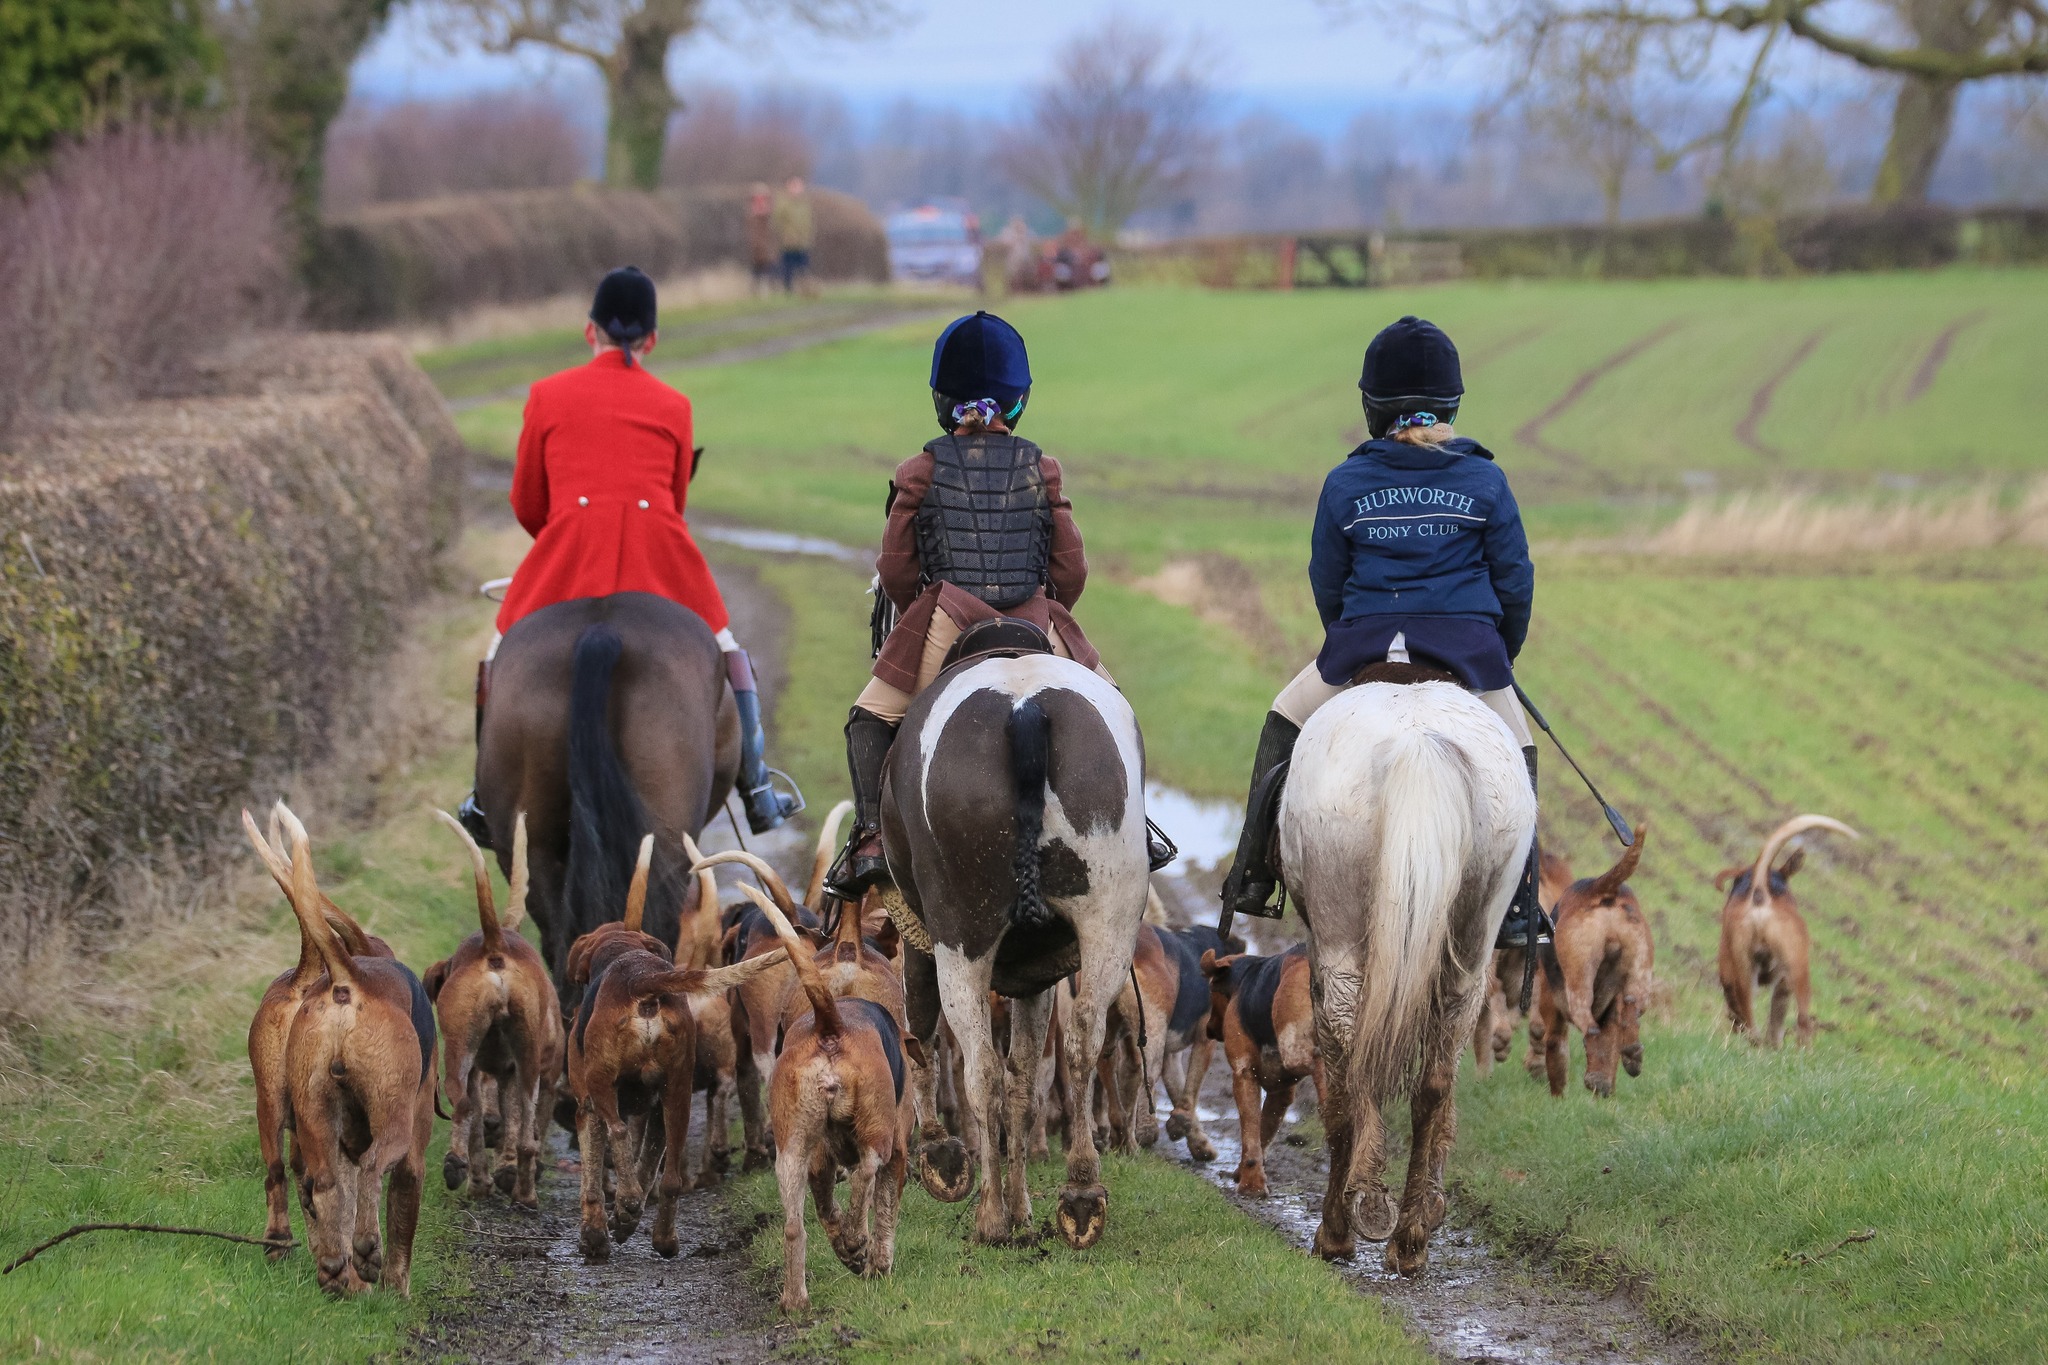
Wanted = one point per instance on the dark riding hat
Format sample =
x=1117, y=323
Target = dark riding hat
x=624, y=307
x=1410, y=367
x=981, y=356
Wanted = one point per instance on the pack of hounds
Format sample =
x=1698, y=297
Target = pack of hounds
x=796, y=1010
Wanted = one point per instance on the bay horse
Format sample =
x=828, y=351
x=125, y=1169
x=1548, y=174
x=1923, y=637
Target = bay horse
x=607, y=718
x=1404, y=825
x=1013, y=819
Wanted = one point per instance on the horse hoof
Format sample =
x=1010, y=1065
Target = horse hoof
x=1332, y=1248
x=595, y=1246
x=1083, y=1215
x=1375, y=1212
x=454, y=1170
x=944, y=1170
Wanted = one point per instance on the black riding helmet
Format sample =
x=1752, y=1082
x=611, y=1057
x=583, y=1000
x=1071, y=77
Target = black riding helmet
x=980, y=357
x=1411, y=367
x=624, y=308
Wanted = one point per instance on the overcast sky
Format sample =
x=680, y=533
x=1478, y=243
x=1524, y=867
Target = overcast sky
x=1292, y=54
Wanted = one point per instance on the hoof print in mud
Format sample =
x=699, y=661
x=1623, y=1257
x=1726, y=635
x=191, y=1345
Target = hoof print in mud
x=944, y=1170
x=1082, y=1216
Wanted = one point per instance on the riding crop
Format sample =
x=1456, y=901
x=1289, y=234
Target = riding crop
x=1620, y=826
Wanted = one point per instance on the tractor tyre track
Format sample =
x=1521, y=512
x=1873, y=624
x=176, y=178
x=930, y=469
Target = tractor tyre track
x=1760, y=401
x=1530, y=433
x=1929, y=368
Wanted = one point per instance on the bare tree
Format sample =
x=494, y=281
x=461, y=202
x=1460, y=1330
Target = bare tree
x=1122, y=123
x=628, y=41
x=1584, y=101
x=1932, y=47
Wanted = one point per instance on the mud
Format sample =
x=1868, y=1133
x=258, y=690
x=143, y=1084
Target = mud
x=1472, y=1305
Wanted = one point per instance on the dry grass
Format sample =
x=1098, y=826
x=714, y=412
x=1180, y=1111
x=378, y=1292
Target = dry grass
x=509, y=321
x=1796, y=526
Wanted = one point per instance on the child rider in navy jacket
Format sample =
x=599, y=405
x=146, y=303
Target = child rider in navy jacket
x=1418, y=555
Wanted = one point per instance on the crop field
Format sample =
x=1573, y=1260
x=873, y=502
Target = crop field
x=1712, y=696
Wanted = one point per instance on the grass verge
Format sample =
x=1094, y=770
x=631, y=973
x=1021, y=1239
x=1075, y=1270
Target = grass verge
x=1179, y=1275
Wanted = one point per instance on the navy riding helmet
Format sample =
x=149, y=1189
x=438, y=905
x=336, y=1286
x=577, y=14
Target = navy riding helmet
x=1411, y=367
x=624, y=308
x=980, y=357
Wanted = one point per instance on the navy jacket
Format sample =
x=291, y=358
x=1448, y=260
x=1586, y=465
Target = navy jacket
x=1409, y=530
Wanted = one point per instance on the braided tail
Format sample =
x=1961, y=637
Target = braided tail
x=1030, y=760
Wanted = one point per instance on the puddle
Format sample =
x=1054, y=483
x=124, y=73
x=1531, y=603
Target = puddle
x=1470, y=1305
x=1205, y=830
x=784, y=543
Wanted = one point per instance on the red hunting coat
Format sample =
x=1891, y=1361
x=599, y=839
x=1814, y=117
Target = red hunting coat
x=602, y=480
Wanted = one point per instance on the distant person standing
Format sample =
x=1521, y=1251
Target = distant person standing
x=761, y=247
x=796, y=229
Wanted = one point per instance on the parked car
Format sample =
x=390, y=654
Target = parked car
x=935, y=242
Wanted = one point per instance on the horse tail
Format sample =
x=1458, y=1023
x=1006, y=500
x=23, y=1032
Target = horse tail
x=1425, y=839
x=606, y=818
x=1030, y=761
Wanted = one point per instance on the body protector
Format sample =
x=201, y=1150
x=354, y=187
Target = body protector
x=986, y=525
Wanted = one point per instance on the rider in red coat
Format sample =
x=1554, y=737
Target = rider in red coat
x=605, y=460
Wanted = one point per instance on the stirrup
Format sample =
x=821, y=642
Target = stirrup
x=851, y=875
x=1160, y=849
x=472, y=818
x=1514, y=930
x=767, y=807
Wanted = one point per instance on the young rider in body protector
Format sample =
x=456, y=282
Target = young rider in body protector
x=1419, y=556
x=977, y=528
x=605, y=461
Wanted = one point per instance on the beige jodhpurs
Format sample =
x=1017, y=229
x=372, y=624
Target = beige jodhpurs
x=1304, y=696
x=888, y=703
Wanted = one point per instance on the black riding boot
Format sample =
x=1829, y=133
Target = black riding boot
x=766, y=807
x=861, y=863
x=469, y=813
x=1248, y=887
x=1526, y=919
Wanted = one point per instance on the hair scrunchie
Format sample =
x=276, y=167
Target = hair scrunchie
x=1414, y=419
x=981, y=412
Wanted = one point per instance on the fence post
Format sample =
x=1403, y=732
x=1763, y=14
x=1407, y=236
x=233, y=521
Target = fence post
x=1284, y=273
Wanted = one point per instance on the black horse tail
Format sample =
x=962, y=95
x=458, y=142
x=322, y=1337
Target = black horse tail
x=606, y=818
x=1030, y=761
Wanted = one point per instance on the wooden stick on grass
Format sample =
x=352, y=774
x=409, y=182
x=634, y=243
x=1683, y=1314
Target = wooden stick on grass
x=79, y=1229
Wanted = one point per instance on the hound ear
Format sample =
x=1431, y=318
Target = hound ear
x=1726, y=877
x=1216, y=968
x=434, y=978
x=914, y=1045
x=1792, y=864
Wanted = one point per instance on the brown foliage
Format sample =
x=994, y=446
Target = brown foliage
x=134, y=252
x=718, y=143
x=422, y=149
x=188, y=588
x=432, y=259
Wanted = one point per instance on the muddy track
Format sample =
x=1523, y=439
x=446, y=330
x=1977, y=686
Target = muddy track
x=1530, y=433
x=1929, y=368
x=1474, y=1304
x=1760, y=401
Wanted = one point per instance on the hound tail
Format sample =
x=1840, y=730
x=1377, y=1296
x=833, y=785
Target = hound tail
x=307, y=905
x=1030, y=761
x=824, y=1006
x=486, y=903
x=822, y=855
x=279, y=863
x=1426, y=837
x=515, y=899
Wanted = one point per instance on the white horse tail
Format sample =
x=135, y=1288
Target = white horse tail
x=1425, y=803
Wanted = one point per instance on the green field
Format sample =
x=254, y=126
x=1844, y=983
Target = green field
x=1904, y=695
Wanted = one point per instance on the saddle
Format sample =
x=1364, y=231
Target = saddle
x=1403, y=674
x=999, y=637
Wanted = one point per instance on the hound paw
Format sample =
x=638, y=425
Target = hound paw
x=1199, y=1147
x=759, y=1159
x=1083, y=1215
x=505, y=1178
x=1177, y=1125
x=454, y=1170
x=1408, y=1254
x=1632, y=1060
x=1251, y=1181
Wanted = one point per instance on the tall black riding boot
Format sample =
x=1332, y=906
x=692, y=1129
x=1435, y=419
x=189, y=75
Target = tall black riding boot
x=1526, y=920
x=766, y=807
x=861, y=863
x=469, y=813
x=1248, y=886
